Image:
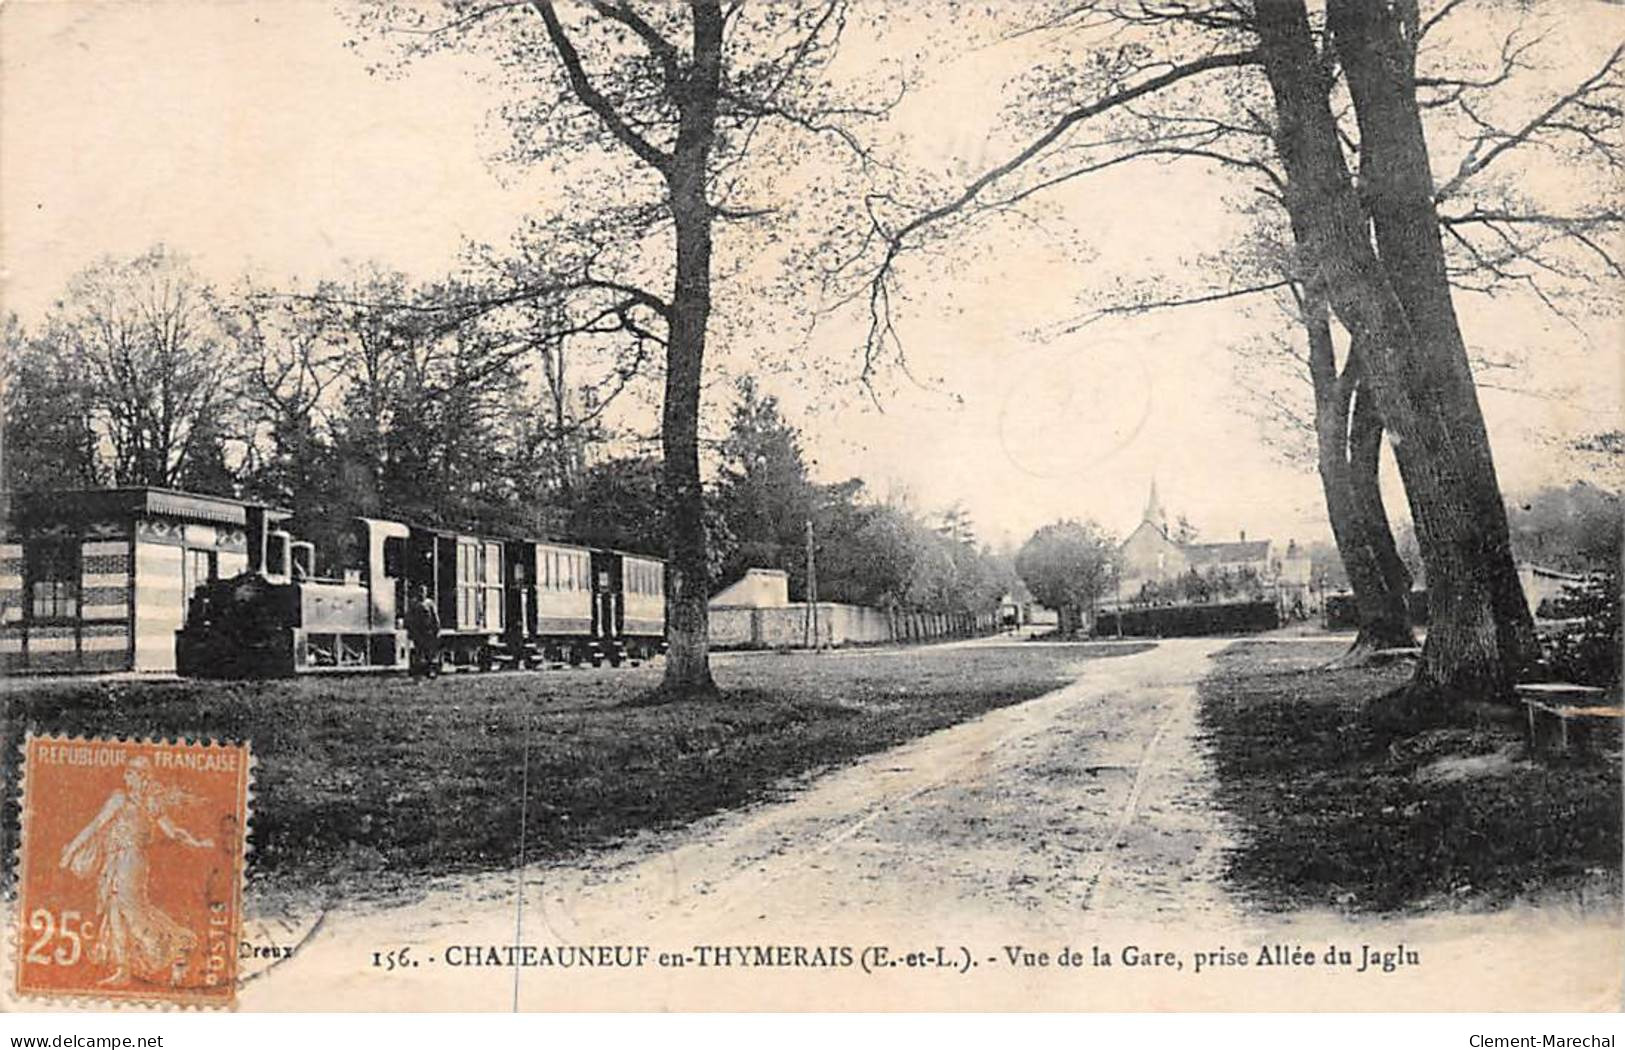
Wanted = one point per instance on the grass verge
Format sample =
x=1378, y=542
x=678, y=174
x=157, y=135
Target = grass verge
x=1331, y=814
x=388, y=780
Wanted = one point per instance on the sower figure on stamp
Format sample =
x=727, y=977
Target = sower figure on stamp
x=423, y=628
x=133, y=934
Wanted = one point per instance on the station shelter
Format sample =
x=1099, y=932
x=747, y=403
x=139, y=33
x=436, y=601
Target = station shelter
x=100, y=580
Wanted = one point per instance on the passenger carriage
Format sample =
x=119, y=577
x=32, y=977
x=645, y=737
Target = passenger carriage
x=550, y=604
x=641, y=621
x=463, y=575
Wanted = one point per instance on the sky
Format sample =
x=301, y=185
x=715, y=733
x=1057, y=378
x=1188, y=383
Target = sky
x=250, y=138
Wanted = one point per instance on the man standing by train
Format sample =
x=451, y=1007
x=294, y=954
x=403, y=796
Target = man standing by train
x=423, y=628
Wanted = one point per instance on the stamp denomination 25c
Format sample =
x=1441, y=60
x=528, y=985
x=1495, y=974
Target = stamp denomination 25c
x=131, y=870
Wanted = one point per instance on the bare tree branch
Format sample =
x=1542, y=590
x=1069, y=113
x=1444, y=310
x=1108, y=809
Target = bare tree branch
x=1066, y=123
x=1132, y=308
x=663, y=50
x=1476, y=161
x=881, y=330
x=594, y=100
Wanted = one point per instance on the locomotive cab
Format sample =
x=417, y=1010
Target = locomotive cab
x=278, y=556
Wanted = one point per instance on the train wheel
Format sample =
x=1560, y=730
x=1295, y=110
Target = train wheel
x=482, y=657
x=614, y=658
x=575, y=657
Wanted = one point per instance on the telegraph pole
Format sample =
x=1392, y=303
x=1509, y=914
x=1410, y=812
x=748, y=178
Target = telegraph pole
x=809, y=622
x=5, y=486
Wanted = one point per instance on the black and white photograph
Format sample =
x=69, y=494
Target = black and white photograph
x=838, y=506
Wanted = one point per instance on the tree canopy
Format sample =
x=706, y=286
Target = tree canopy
x=1067, y=565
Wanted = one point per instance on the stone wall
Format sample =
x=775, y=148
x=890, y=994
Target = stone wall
x=760, y=588
x=785, y=627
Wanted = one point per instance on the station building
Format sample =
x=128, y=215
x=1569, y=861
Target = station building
x=99, y=580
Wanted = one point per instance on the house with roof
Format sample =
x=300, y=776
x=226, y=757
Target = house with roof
x=1150, y=559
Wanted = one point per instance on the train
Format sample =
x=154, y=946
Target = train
x=503, y=603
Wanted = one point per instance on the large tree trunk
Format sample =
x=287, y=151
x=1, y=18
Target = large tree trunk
x=1365, y=455
x=1385, y=613
x=688, y=668
x=1482, y=632
x=688, y=663
x=1478, y=639
x=1347, y=448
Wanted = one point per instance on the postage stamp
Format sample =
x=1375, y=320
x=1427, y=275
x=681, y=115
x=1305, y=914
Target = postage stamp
x=131, y=870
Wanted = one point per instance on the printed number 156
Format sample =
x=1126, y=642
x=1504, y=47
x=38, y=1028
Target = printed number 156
x=395, y=957
x=70, y=929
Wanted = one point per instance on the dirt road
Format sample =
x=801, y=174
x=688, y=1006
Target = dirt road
x=1081, y=822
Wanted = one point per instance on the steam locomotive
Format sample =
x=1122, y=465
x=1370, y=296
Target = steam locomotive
x=503, y=602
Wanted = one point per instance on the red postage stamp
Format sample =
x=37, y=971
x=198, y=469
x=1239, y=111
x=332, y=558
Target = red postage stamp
x=131, y=871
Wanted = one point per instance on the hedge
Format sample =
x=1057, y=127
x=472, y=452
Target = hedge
x=1172, y=621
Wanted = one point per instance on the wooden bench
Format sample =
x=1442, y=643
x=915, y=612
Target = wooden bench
x=1575, y=712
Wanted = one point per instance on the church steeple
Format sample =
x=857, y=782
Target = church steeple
x=1154, y=513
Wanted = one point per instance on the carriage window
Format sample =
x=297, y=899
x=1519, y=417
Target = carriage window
x=468, y=575
x=478, y=618
x=53, y=578
x=491, y=586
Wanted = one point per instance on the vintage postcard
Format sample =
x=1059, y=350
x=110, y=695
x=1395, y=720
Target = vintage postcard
x=812, y=505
